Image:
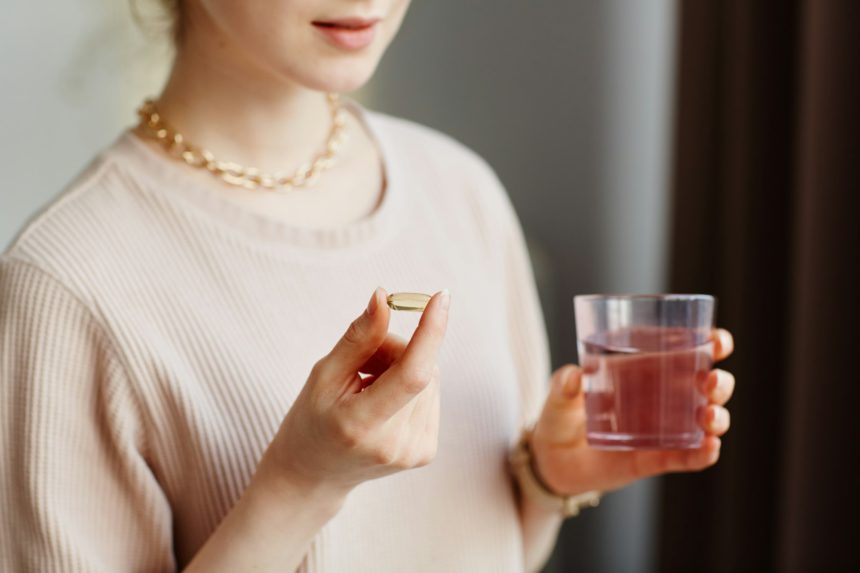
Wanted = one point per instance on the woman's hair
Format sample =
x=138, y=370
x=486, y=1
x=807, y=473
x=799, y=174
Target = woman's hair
x=159, y=16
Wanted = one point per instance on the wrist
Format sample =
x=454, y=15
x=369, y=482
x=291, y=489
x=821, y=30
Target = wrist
x=271, y=526
x=316, y=499
x=522, y=462
x=539, y=454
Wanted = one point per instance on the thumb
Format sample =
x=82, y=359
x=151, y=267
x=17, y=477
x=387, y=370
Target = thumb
x=562, y=420
x=362, y=338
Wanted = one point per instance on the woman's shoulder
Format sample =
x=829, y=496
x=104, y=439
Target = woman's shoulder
x=439, y=157
x=459, y=187
x=428, y=144
x=82, y=222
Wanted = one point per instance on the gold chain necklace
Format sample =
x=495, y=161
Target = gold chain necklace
x=174, y=143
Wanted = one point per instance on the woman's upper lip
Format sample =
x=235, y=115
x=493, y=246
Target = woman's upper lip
x=347, y=22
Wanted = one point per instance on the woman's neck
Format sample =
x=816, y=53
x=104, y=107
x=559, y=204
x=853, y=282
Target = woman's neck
x=241, y=112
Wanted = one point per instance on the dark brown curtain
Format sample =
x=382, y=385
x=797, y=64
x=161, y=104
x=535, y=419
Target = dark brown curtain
x=767, y=217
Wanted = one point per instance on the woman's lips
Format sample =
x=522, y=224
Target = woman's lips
x=350, y=34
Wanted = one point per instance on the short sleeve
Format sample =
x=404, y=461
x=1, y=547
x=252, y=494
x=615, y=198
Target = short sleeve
x=76, y=491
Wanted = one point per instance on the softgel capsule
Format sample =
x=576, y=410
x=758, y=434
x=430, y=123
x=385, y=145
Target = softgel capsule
x=411, y=301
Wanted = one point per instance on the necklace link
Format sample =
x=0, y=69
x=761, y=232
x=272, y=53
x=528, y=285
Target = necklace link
x=235, y=174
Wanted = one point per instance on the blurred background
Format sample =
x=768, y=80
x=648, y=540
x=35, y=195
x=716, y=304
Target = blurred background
x=648, y=145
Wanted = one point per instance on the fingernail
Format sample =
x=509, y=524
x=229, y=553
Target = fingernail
x=725, y=340
x=720, y=417
x=372, y=305
x=445, y=299
x=570, y=384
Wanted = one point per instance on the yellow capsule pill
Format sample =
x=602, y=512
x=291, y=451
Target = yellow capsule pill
x=413, y=301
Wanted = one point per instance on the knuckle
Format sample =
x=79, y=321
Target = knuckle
x=350, y=435
x=416, y=378
x=426, y=457
x=385, y=456
x=404, y=464
x=355, y=333
x=319, y=368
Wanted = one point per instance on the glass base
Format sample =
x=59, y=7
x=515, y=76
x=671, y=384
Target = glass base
x=615, y=441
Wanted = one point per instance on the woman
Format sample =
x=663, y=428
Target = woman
x=174, y=392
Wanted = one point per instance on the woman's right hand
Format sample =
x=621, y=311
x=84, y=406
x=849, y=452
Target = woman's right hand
x=344, y=429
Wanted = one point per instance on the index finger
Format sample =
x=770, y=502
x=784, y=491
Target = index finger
x=412, y=372
x=421, y=351
x=724, y=344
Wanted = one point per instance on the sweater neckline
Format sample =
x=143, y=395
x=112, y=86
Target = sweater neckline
x=172, y=180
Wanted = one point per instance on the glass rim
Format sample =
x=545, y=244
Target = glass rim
x=644, y=296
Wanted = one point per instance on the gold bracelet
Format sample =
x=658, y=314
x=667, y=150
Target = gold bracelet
x=520, y=460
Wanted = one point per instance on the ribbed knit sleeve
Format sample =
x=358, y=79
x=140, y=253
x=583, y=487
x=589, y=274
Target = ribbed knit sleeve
x=526, y=324
x=530, y=352
x=77, y=494
x=528, y=332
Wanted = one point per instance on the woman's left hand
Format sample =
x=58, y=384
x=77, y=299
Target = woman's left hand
x=565, y=462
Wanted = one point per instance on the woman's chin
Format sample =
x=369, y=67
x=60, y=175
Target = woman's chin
x=340, y=77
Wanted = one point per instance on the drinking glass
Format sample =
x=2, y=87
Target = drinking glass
x=645, y=359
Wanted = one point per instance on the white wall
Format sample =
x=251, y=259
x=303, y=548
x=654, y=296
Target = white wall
x=73, y=73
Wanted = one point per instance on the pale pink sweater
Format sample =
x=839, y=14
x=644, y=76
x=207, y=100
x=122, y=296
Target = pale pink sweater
x=154, y=334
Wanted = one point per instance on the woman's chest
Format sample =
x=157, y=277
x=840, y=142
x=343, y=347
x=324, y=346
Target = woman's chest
x=228, y=365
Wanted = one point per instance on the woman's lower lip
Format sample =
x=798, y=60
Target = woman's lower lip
x=349, y=38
